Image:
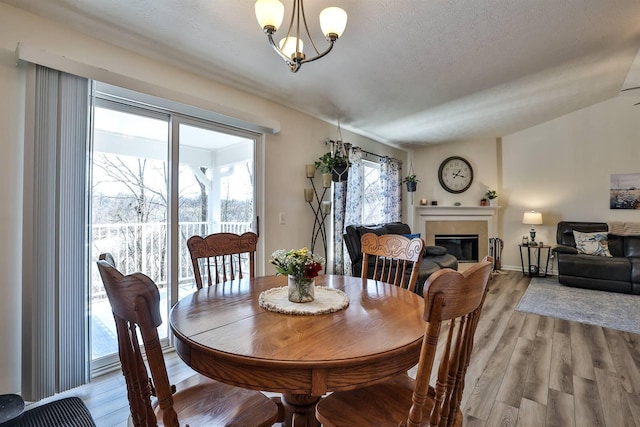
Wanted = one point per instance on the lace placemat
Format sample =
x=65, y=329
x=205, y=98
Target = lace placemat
x=327, y=300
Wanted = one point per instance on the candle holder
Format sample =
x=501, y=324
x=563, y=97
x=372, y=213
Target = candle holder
x=321, y=208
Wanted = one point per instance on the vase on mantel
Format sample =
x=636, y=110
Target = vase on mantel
x=301, y=289
x=493, y=202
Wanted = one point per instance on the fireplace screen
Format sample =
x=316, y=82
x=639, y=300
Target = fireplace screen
x=462, y=246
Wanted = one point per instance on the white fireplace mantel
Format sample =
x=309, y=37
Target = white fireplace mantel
x=459, y=213
x=457, y=210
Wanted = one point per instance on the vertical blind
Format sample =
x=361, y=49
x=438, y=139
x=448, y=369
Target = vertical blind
x=55, y=297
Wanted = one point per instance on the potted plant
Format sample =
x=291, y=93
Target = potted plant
x=491, y=195
x=337, y=165
x=412, y=182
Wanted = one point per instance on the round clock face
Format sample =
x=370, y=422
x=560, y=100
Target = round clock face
x=455, y=175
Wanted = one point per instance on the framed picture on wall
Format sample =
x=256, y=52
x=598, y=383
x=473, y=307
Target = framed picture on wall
x=624, y=191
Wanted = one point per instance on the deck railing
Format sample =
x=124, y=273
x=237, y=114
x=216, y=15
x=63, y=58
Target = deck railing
x=142, y=247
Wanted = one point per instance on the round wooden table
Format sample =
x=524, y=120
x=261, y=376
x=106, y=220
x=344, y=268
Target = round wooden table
x=223, y=333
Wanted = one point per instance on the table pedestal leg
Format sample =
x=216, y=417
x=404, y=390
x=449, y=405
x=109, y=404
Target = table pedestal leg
x=300, y=410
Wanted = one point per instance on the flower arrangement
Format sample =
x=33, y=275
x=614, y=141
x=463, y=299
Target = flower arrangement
x=301, y=264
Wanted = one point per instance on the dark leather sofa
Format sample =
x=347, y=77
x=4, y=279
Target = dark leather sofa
x=618, y=273
x=434, y=258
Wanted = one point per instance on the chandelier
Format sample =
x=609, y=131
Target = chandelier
x=270, y=13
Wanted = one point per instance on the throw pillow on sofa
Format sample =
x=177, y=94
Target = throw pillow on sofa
x=412, y=235
x=592, y=243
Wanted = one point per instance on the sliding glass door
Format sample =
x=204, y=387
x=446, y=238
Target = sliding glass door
x=133, y=206
x=216, y=187
x=129, y=207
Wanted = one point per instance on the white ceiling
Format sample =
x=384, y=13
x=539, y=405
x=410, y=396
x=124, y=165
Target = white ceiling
x=404, y=72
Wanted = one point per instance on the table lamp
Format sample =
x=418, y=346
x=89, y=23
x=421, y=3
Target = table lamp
x=532, y=218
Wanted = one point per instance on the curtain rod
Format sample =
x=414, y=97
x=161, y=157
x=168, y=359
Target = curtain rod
x=367, y=153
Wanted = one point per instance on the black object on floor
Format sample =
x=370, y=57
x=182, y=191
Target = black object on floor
x=66, y=412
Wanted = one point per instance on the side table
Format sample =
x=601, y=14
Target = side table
x=534, y=270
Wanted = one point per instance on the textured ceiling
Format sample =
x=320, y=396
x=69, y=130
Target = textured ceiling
x=404, y=72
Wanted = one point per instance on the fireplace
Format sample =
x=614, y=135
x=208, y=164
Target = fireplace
x=458, y=221
x=462, y=246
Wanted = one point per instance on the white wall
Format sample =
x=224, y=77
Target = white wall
x=11, y=112
x=561, y=168
x=482, y=154
x=300, y=141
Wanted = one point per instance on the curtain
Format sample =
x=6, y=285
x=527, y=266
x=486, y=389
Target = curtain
x=339, y=209
x=55, y=321
x=353, y=208
x=391, y=181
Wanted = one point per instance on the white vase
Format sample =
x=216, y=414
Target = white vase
x=493, y=202
x=301, y=290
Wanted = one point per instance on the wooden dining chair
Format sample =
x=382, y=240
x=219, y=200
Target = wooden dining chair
x=135, y=302
x=224, y=255
x=396, y=259
x=401, y=401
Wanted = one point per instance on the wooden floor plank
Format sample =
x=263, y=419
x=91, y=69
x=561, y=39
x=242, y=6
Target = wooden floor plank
x=623, y=359
x=633, y=400
x=588, y=408
x=545, y=327
x=614, y=403
x=530, y=326
x=512, y=387
x=531, y=414
x=560, y=409
x=581, y=361
x=561, y=371
x=479, y=399
x=502, y=415
x=600, y=354
x=536, y=387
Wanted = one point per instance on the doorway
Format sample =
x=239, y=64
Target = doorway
x=132, y=199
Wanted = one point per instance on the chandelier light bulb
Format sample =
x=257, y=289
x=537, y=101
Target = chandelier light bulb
x=269, y=13
x=333, y=20
x=288, y=46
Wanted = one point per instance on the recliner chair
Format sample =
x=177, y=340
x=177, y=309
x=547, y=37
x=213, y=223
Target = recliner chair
x=434, y=258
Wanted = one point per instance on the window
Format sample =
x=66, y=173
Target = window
x=372, y=194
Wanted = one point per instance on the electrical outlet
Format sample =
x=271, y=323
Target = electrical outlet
x=281, y=218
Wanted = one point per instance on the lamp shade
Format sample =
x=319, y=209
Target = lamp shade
x=532, y=218
x=333, y=20
x=269, y=13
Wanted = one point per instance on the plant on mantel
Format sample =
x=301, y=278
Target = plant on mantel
x=492, y=195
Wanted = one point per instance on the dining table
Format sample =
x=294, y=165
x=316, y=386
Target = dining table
x=225, y=333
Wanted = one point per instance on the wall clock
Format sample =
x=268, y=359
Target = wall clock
x=455, y=174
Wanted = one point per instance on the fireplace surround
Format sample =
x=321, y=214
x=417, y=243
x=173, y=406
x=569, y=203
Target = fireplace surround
x=480, y=221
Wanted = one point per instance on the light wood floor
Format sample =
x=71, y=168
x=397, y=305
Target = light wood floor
x=526, y=370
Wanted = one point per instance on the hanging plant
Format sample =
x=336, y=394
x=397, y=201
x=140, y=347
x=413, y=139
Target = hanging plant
x=336, y=165
x=412, y=182
x=336, y=162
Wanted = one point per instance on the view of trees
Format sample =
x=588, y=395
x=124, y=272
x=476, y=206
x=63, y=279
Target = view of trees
x=130, y=194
